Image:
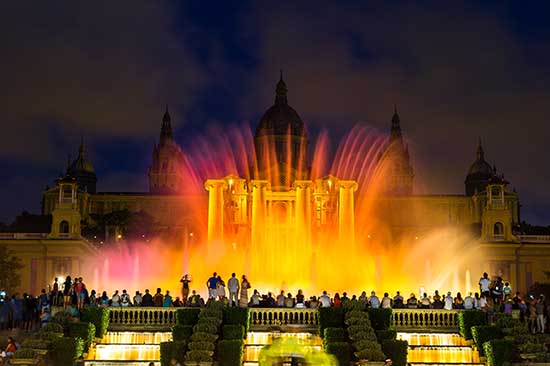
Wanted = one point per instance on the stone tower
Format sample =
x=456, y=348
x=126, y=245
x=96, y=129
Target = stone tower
x=166, y=174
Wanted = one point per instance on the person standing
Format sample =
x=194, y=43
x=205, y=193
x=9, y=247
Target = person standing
x=220, y=289
x=212, y=285
x=324, y=300
x=185, y=281
x=137, y=299
x=485, y=285
x=448, y=301
x=167, y=302
x=67, y=291
x=147, y=299
x=55, y=290
x=540, y=307
x=233, y=287
x=158, y=299
x=245, y=285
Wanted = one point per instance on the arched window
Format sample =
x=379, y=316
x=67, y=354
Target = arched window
x=498, y=229
x=64, y=227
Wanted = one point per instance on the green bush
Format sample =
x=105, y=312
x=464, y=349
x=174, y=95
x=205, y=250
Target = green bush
x=371, y=354
x=52, y=327
x=182, y=332
x=380, y=319
x=99, y=317
x=357, y=314
x=169, y=350
x=233, y=331
x=25, y=353
x=201, y=346
x=85, y=331
x=203, y=337
x=334, y=334
x=360, y=332
x=66, y=349
x=212, y=313
x=210, y=320
x=353, y=305
x=62, y=318
x=35, y=343
x=468, y=319
x=396, y=350
x=237, y=315
x=198, y=356
x=484, y=333
x=341, y=351
x=187, y=316
x=498, y=351
x=384, y=335
x=46, y=336
x=231, y=352
x=206, y=328
x=330, y=318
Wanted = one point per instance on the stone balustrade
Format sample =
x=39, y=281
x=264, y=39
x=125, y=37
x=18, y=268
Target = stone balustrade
x=425, y=319
x=267, y=318
x=141, y=318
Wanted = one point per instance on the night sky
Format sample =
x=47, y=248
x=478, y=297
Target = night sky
x=104, y=70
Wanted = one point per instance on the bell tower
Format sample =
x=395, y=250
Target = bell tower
x=66, y=215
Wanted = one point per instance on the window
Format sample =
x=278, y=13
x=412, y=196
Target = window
x=63, y=227
x=498, y=229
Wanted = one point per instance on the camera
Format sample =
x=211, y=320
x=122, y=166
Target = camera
x=2, y=296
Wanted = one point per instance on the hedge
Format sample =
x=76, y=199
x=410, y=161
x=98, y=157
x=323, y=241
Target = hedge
x=468, y=319
x=85, y=331
x=66, y=349
x=99, y=317
x=237, y=315
x=231, y=352
x=187, y=316
x=484, y=333
x=396, y=350
x=380, y=319
x=330, y=318
x=334, y=334
x=386, y=335
x=340, y=350
x=498, y=351
x=233, y=331
x=181, y=332
x=169, y=350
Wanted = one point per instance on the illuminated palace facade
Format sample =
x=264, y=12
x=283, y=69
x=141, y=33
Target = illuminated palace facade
x=281, y=188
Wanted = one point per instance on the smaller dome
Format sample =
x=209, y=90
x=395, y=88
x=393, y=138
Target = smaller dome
x=480, y=166
x=80, y=164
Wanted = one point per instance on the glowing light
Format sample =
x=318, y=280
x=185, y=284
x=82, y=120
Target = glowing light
x=119, y=236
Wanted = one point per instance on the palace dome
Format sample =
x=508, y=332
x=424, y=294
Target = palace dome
x=280, y=119
x=80, y=164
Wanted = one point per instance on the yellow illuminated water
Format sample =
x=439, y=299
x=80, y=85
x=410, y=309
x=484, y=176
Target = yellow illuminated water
x=433, y=339
x=255, y=341
x=135, y=352
x=136, y=337
x=439, y=348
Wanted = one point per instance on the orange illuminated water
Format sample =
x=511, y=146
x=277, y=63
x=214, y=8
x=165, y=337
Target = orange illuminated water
x=286, y=258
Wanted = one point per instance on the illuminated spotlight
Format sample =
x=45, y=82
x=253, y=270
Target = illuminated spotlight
x=416, y=238
x=368, y=236
x=143, y=235
x=191, y=234
x=234, y=245
x=119, y=236
x=230, y=182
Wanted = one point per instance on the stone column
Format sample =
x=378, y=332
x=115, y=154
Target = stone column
x=215, y=188
x=303, y=210
x=346, y=210
x=259, y=210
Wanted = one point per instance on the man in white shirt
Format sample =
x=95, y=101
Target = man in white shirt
x=281, y=300
x=448, y=301
x=324, y=300
x=233, y=287
x=469, y=302
x=485, y=284
x=374, y=301
x=386, y=301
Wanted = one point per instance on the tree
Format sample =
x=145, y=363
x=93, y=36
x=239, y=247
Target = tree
x=10, y=266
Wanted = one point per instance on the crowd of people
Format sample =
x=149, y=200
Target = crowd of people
x=494, y=295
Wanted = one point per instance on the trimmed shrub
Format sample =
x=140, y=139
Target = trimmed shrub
x=182, y=332
x=52, y=327
x=35, y=343
x=47, y=336
x=187, y=316
x=334, y=334
x=340, y=350
x=206, y=328
x=484, y=333
x=210, y=320
x=201, y=346
x=360, y=332
x=330, y=318
x=169, y=350
x=468, y=319
x=233, y=331
x=237, y=315
x=231, y=352
x=99, y=317
x=380, y=319
x=66, y=349
x=85, y=331
x=396, y=350
x=25, y=353
x=211, y=313
x=386, y=335
x=204, y=337
x=198, y=356
x=498, y=351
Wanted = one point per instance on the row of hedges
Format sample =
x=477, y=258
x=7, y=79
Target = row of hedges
x=234, y=331
x=99, y=317
x=468, y=319
x=484, y=333
x=362, y=336
x=84, y=330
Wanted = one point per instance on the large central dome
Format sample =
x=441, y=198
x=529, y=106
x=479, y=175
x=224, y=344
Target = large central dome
x=281, y=119
x=281, y=143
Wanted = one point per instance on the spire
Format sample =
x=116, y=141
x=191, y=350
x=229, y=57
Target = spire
x=281, y=91
x=395, y=125
x=480, y=153
x=82, y=148
x=166, y=129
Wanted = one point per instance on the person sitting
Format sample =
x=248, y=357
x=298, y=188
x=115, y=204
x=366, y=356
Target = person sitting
x=337, y=302
x=469, y=302
x=10, y=349
x=177, y=302
x=281, y=299
x=124, y=299
x=386, y=301
x=289, y=301
x=115, y=300
x=398, y=301
x=255, y=299
x=458, y=301
x=270, y=301
x=300, y=300
x=448, y=301
x=374, y=301
x=158, y=299
x=412, y=302
x=437, y=303
x=324, y=300
x=167, y=302
x=425, y=302
x=147, y=299
x=313, y=303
